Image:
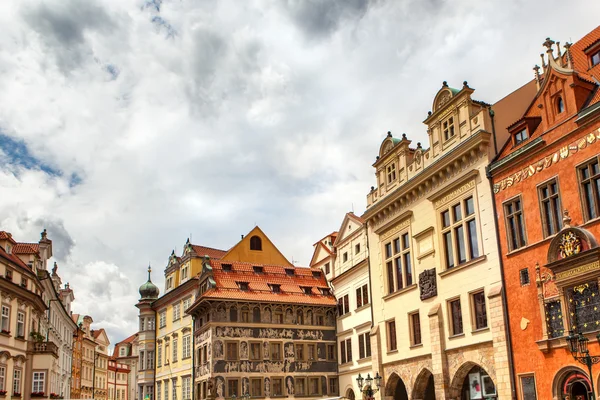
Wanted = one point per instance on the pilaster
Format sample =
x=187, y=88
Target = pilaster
x=498, y=324
x=439, y=361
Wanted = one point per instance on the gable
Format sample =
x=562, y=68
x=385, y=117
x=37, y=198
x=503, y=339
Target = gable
x=269, y=254
x=321, y=253
x=350, y=225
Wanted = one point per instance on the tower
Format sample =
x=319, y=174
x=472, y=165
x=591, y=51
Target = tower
x=146, y=339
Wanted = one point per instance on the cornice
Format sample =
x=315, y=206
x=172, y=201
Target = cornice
x=350, y=271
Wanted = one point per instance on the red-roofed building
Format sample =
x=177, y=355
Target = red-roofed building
x=550, y=257
x=263, y=327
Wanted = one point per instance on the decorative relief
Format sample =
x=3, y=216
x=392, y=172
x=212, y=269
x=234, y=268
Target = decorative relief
x=405, y=223
x=220, y=387
x=218, y=349
x=454, y=194
x=548, y=161
x=267, y=387
x=274, y=333
x=569, y=245
x=289, y=383
x=427, y=284
x=243, y=350
x=577, y=271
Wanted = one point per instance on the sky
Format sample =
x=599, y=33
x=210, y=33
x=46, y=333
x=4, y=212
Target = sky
x=127, y=126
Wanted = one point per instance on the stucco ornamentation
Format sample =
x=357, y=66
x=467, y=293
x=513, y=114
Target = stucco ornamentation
x=569, y=245
x=427, y=284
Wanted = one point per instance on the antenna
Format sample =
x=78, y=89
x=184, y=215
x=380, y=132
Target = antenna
x=352, y=208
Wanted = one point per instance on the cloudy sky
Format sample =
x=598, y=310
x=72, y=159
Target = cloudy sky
x=127, y=126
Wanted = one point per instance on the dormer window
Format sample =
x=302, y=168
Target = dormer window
x=275, y=288
x=255, y=243
x=325, y=292
x=307, y=289
x=521, y=136
x=560, y=105
x=289, y=272
x=391, y=173
x=258, y=269
x=243, y=285
x=595, y=58
x=226, y=267
x=316, y=274
x=448, y=128
x=9, y=274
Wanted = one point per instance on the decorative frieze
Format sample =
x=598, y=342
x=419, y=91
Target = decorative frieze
x=578, y=270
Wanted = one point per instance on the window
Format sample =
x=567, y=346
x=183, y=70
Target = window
x=162, y=319
x=391, y=336
x=232, y=387
x=528, y=391
x=9, y=273
x=589, y=184
x=187, y=303
x=184, y=273
x=299, y=355
x=343, y=305
x=226, y=267
x=448, y=128
x=150, y=361
x=186, y=388
x=515, y=225
x=346, y=350
x=398, y=263
x=307, y=289
x=5, y=319
x=357, y=248
x=159, y=356
x=187, y=346
x=276, y=352
x=275, y=288
x=233, y=317
x=327, y=268
x=333, y=386
x=345, y=257
x=560, y=105
x=364, y=345
x=39, y=382
x=524, y=276
x=550, y=206
x=167, y=390
x=20, y=324
x=391, y=173
x=256, y=387
x=584, y=302
x=256, y=314
x=277, y=386
x=255, y=243
x=2, y=377
x=289, y=272
x=479, y=311
x=169, y=283
x=325, y=291
x=174, y=359
x=311, y=352
x=459, y=233
x=255, y=350
x=455, y=318
x=362, y=296
x=232, y=351
x=278, y=317
x=316, y=274
x=174, y=387
x=521, y=136
x=158, y=390
x=331, y=352
x=17, y=382
x=23, y=282
x=176, y=311
x=245, y=314
x=415, y=328
x=258, y=269
x=313, y=386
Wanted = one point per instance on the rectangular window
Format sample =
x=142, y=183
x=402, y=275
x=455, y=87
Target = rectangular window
x=364, y=345
x=174, y=359
x=174, y=387
x=589, y=186
x=311, y=351
x=357, y=248
x=5, y=319
x=521, y=136
x=550, y=207
x=528, y=391
x=398, y=263
x=187, y=346
x=176, y=312
x=343, y=305
x=362, y=296
x=554, y=319
x=595, y=58
x=391, y=334
x=391, y=173
x=456, y=318
x=159, y=356
x=150, y=362
x=20, y=324
x=186, y=388
x=448, y=128
x=313, y=386
x=345, y=256
x=327, y=268
x=256, y=387
x=300, y=387
x=276, y=352
x=515, y=224
x=162, y=318
x=232, y=351
x=187, y=303
x=459, y=233
x=39, y=382
x=255, y=350
x=158, y=390
x=479, y=310
x=346, y=350
x=584, y=305
x=166, y=390
x=524, y=276
x=415, y=326
x=2, y=377
x=299, y=355
x=17, y=382
x=277, y=386
x=333, y=386
x=331, y=352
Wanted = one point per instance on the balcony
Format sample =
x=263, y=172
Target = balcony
x=43, y=348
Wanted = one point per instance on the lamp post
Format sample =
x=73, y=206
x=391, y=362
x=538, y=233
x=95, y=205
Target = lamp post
x=578, y=346
x=368, y=390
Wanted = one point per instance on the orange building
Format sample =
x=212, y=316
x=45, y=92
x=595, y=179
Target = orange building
x=550, y=256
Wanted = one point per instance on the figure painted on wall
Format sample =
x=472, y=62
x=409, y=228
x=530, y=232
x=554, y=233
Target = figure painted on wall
x=290, y=385
x=267, y=387
x=220, y=385
x=243, y=350
x=267, y=315
x=266, y=352
x=289, y=316
x=218, y=349
x=245, y=386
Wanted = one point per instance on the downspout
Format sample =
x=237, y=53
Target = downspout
x=511, y=366
x=491, y=112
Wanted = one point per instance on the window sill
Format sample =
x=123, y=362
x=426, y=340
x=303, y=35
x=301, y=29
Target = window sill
x=529, y=246
x=459, y=335
x=416, y=346
x=186, y=358
x=20, y=338
x=364, y=306
x=7, y=334
x=346, y=364
x=480, y=330
x=462, y=266
x=345, y=315
x=363, y=360
x=399, y=292
x=392, y=351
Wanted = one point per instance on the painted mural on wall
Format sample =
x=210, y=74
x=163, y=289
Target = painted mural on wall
x=289, y=384
x=287, y=366
x=274, y=333
x=267, y=387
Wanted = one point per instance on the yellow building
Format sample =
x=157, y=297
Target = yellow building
x=172, y=358
x=100, y=373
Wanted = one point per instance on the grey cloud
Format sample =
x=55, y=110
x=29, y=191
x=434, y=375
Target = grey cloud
x=62, y=242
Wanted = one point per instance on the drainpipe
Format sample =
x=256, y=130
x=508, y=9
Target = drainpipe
x=491, y=112
x=511, y=366
x=193, y=356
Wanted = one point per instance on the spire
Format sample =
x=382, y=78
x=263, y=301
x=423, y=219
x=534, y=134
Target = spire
x=537, y=77
x=568, y=55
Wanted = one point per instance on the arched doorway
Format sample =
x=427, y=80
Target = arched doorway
x=350, y=394
x=395, y=387
x=474, y=383
x=576, y=386
x=424, y=387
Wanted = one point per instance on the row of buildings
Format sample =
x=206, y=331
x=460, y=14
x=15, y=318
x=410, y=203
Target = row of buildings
x=46, y=351
x=476, y=258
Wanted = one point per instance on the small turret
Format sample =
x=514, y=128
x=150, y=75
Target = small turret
x=149, y=290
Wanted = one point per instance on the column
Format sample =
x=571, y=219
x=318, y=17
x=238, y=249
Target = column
x=498, y=324
x=439, y=362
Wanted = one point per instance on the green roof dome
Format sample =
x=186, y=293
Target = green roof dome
x=149, y=290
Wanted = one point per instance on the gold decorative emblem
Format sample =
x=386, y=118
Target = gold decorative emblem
x=580, y=288
x=569, y=245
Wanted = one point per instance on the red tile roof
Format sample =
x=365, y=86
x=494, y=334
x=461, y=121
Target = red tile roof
x=26, y=248
x=6, y=236
x=208, y=251
x=128, y=340
x=14, y=259
x=581, y=63
x=259, y=288
x=97, y=332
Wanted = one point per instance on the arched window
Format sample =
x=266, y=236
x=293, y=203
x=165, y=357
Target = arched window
x=299, y=317
x=255, y=243
x=233, y=314
x=256, y=314
x=560, y=105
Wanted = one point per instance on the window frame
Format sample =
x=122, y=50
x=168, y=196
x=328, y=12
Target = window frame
x=281, y=386
x=364, y=345
x=521, y=231
x=527, y=375
x=345, y=350
x=186, y=353
x=362, y=292
x=237, y=350
x=237, y=386
x=416, y=334
x=35, y=381
x=452, y=330
x=279, y=345
x=391, y=339
x=448, y=128
x=162, y=318
x=260, y=387
x=343, y=305
x=336, y=381
x=462, y=223
x=250, y=351
x=558, y=222
x=5, y=318
x=390, y=173
x=398, y=255
x=473, y=296
x=592, y=179
x=521, y=277
x=297, y=381
x=520, y=136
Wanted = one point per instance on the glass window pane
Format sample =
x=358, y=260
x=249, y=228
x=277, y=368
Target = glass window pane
x=446, y=218
x=460, y=244
x=408, y=269
x=396, y=245
x=448, y=248
x=521, y=225
x=456, y=212
x=405, y=241
x=390, y=270
x=469, y=206
x=399, y=283
x=388, y=250
x=473, y=245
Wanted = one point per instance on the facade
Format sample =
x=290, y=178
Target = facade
x=77, y=360
x=547, y=200
x=100, y=372
x=144, y=346
x=324, y=255
x=263, y=328
x=126, y=352
x=118, y=380
x=174, y=364
x=439, y=330
x=349, y=278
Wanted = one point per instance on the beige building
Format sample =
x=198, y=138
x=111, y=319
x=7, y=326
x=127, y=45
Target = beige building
x=437, y=296
x=126, y=352
x=100, y=373
x=138, y=350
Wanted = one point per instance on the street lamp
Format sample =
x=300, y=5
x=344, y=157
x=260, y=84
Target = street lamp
x=368, y=390
x=578, y=346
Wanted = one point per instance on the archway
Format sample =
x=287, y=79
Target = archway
x=395, y=387
x=572, y=383
x=350, y=394
x=472, y=382
x=424, y=387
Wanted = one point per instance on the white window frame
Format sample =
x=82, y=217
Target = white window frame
x=5, y=319
x=176, y=311
x=20, y=324
x=187, y=344
x=39, y=378
x=163, y=318
x=2, y=377
x=17, y=376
